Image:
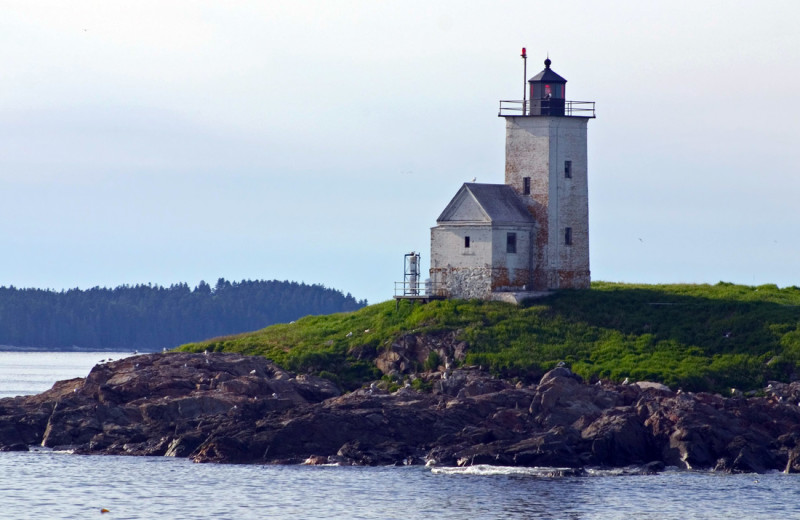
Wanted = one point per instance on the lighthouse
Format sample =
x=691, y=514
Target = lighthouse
x=529, y=235
x=546, y=164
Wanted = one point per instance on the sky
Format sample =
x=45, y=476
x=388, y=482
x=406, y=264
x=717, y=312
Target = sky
x=318, y=141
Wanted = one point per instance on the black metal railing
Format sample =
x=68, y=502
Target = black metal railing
x=538, y=107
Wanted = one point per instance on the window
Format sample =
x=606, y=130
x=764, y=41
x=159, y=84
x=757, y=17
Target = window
x=568, y=236
x=466, y=242
x=511, y=243
x=526, y=185
x=568, y=169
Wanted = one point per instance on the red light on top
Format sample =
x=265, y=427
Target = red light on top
x=523, y=53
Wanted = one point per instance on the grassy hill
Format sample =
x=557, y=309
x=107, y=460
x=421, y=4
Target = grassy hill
x=697, y=337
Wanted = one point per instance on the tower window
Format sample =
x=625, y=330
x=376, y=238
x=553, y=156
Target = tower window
x=526, y=185
x=568, y=169
x=511, y=243
x=568, y=236
x=466, y=242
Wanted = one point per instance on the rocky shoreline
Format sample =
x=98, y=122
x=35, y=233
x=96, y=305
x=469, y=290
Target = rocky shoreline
x=231, y=408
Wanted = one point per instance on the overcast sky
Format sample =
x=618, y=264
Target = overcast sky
x=178, y=141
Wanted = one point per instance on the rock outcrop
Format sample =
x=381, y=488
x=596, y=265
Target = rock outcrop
x=239, y=409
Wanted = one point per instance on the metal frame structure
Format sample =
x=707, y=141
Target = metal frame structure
x=411, y=263
x=411, y=288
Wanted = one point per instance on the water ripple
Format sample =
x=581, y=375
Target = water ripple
x=56, y=485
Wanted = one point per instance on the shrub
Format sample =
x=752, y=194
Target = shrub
x=433, y=361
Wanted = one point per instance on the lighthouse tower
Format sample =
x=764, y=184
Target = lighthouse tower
x=546, y=164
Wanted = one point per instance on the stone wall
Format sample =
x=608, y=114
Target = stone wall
x=479, y=282
x=512, y=270
x=538, y=147
x=485, y=266
x=459, y=271
x=464, y=282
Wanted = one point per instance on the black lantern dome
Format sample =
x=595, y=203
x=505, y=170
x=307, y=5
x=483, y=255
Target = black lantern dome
x=547, y=92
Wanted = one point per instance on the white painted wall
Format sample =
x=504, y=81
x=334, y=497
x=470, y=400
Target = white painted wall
x=475, y=271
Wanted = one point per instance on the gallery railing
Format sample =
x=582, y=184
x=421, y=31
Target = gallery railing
x=426, y=289
x=546, y=107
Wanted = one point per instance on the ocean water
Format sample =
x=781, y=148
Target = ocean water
x=57, y=485
x=26, y=373
x=47, y=484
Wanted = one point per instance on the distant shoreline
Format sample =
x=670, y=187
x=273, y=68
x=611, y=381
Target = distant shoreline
x=13, y=348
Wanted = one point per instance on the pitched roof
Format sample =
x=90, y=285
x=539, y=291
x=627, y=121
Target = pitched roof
x=548, y=75
x=496, y=203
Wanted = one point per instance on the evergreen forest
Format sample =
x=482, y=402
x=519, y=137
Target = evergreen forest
x=152, y=317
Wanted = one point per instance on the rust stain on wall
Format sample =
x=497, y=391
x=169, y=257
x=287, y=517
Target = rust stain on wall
x=573, y=279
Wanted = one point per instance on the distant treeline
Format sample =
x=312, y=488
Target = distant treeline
x=151, y=317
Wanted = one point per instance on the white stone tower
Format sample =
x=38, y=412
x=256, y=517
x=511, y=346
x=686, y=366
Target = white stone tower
x=546, y=164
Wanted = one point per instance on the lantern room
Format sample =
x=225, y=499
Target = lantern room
x=547, y=92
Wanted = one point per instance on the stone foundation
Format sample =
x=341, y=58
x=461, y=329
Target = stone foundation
x=464, y=282
x=470, y=282
x=565, y=279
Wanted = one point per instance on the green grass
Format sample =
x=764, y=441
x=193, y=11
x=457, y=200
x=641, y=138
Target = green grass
x=698, y=337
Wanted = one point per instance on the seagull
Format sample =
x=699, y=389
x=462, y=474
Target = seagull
x=474, y=179
x=253, y=372
x=627, y=381
x=349, y=334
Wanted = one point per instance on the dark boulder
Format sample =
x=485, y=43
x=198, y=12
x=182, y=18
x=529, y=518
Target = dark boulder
x=619, y=438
